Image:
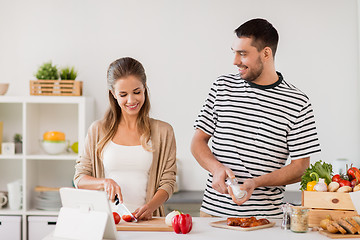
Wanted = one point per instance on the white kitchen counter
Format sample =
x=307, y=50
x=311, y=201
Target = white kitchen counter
x=203, y=231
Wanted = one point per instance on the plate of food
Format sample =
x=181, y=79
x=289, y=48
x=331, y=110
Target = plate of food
x=243, y=223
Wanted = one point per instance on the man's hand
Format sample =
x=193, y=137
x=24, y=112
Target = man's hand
x=248, y=186
x=219, y=177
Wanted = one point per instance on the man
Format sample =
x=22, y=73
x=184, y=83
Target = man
x=256, y=120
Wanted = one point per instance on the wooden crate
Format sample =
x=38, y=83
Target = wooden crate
x=56, y=87
x=321, y=204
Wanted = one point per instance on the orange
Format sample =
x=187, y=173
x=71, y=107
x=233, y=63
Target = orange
x=54, y=136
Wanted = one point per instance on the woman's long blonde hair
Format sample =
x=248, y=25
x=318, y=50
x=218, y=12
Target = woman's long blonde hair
x=121, y=68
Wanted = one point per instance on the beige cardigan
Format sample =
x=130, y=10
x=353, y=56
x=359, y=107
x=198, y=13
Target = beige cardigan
x=162, y=173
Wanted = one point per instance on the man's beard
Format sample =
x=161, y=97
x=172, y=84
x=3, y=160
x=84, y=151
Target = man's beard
x=254, y=74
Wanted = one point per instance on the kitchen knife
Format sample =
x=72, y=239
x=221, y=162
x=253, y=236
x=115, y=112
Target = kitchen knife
x=122, y=209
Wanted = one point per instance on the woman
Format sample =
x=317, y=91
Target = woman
x=127, y=153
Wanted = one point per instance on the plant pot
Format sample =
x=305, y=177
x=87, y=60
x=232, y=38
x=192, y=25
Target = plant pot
x=18, y=147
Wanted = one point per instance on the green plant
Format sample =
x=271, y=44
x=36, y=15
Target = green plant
x=47, y=71
x=17, y=138
x=68, y=73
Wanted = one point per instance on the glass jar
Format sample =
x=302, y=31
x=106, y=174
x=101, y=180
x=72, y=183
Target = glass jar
x=299, y=219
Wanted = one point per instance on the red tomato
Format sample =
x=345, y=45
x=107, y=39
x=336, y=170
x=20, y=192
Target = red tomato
x=127, y=218
x=117, y=217
x=336, y=178
x=351, y=173
x=344, y=183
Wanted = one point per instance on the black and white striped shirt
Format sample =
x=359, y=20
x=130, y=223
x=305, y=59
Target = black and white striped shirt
x=254, y=129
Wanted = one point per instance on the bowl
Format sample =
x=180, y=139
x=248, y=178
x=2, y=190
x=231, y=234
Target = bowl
x=54, y=147
x=3, y=88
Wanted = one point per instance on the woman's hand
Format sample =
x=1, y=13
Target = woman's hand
x=112, y=188
x=144, y=213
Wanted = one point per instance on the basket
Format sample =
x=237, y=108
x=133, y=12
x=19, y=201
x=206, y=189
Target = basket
x=56, y=87
x=321, y=204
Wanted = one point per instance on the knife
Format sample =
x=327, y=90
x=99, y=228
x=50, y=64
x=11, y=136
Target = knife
x=122, y=209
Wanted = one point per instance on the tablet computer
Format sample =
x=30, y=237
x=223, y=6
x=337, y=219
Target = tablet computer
x=85, y=213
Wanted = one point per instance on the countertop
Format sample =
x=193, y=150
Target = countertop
x=203, y=231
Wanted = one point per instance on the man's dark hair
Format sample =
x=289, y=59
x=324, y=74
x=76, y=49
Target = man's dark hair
x=262, y=32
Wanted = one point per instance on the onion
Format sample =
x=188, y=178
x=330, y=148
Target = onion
x=170, y=216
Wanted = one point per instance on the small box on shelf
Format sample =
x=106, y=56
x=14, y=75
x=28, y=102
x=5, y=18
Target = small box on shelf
x=56, y=87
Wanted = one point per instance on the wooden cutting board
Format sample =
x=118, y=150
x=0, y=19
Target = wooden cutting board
x=338, y=235
x=222, y=224
x=154, y=224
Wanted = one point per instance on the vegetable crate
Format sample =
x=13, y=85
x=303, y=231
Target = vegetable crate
x=321, y=204
x=56, y=87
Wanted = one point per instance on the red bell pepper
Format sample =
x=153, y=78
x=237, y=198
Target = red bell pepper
x=182, y=223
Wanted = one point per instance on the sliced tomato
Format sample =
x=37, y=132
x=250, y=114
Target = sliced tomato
x=127, y=218
x=117, y=217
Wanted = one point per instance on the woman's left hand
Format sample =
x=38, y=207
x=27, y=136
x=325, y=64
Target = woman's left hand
x=144, y=212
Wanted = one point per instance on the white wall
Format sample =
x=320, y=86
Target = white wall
x=184, y=45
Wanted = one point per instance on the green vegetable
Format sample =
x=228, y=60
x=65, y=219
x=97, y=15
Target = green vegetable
x=322, y=169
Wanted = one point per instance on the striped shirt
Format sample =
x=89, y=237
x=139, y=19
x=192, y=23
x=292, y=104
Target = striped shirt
x=254, y=130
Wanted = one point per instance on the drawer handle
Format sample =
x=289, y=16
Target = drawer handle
x=51, y=223
x=335, y=200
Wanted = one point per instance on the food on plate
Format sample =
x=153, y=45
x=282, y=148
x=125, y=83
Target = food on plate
x=325, y=222
x=347, y=226
x=182, y=223
x=356, y=188
x=170, y=216
x=333, y=186
x=246, y=221
x=353, y=223
x=127, y=218
x=117, y=217
x=350, y=225
x=337, y=226
x=322, y=170
x=345, y=189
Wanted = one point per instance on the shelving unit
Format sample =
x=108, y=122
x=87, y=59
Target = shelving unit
x=32, y=116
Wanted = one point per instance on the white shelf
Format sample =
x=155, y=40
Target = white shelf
x=32, y=116
x=16, y=156
x=52, y=157
x=36, y=212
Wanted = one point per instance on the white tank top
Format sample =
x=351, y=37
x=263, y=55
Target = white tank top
x=129, y=167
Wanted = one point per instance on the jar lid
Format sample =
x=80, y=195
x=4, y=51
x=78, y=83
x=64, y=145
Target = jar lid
x=300, y=209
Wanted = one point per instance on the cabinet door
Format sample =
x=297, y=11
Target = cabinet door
x=10, y=227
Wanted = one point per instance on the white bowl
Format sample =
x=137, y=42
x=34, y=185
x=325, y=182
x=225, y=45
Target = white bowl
x=54, y=147
x=3, y=88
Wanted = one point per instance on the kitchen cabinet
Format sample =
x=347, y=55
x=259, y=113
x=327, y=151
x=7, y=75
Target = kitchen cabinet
x=32, y=116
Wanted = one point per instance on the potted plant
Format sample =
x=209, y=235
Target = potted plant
x=68, y=73
x=48, y=82
x=18, y=143
x=47, y=71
